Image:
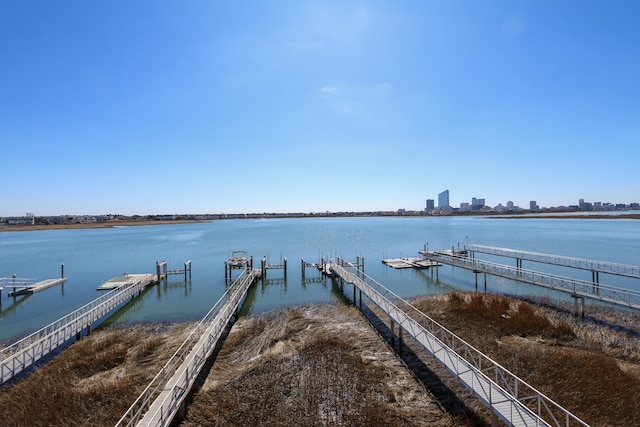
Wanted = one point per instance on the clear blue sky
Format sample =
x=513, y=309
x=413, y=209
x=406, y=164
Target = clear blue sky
x=143, y=107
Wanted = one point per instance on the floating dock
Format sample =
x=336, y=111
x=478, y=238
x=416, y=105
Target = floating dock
x=414, y=262
x=35, y=287
x=127, y=279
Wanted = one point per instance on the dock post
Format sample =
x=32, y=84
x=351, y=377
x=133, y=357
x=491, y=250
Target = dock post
x=62, y=271
x=158, y=270
x=226, y=269
x=476, y=274
x=263, y=267
x=302, y=266
x=485, y=282
x=285, y=267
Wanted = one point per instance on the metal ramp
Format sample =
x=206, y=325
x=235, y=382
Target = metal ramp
x=511, y=399
x=164, y=397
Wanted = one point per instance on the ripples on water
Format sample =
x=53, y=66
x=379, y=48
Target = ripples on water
x=92, y=256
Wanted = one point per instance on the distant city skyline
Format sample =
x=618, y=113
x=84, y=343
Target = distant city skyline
x=315, y=106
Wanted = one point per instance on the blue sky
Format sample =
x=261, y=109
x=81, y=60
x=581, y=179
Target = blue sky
x=144, y=107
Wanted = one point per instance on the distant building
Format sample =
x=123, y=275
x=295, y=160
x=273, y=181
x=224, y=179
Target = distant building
x=443, y=199
x=509, y=204
x=430, y=204
x=476, y=204
x=533, y=205
x=465, y=207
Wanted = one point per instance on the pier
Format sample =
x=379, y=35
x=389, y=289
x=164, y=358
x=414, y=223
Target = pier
x=596, y=267
x=23, y=354
x=413, y=262
x=577, y=289
x=509, y=398
x=164, y=398
x=24, y=286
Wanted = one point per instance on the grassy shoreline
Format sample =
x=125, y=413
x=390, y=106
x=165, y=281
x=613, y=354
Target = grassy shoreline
x=132, y=223
x=300, y=365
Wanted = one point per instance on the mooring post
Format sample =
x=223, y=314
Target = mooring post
x=263, y=267
x=485, y=282
x=475, y=273
x=285, y=267
x=158, y=271
x=302, y=266
x=62, y=271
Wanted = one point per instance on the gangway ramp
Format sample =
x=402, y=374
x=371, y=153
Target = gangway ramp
x=511, y=399
x=564, y=261
x=576, y=288
x=21, y=355
x=164, y=397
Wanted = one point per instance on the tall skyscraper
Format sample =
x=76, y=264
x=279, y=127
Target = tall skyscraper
x=430, y=204
x=443, y=199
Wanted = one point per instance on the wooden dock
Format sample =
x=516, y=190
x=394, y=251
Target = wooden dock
x=117, y=282
x=413, y=262
x=28, y=286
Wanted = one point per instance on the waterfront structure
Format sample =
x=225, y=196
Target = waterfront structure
x=443, y=199
x=430, y=205
x=533, y=205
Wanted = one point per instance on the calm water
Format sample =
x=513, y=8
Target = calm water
x=93, y=256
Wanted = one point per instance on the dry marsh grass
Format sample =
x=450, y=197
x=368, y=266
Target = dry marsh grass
x=591, y=367
x=323, y=365
x=94, y=381
x=311, y=366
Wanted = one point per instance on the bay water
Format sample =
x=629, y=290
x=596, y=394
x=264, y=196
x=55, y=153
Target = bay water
x=93, y=256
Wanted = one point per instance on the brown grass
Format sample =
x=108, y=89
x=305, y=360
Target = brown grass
x=323, y=365
x=587, y=373
x=94, y=381
x=310, y=367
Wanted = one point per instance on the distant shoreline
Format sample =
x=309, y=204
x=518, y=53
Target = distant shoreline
x=84, y=225
x=142, y=222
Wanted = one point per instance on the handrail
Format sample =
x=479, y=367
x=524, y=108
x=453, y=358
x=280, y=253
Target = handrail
x=584, y=264
x=628, y=298
x=510, y=398
x=23, y=353
x=177, y=376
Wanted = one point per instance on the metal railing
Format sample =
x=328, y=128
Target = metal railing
x=511, y=399
x=578, y=288
x=162, y=398
x=584, y=264
x=27, y=351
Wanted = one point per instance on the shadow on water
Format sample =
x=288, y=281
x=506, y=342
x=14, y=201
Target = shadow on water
x=14, y=303
x=127, y=312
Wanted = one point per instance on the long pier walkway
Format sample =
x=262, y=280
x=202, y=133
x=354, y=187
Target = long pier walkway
x=579, y=289
x=165, y=396
x=24, y=353
x=509, y=398
x=564, y=261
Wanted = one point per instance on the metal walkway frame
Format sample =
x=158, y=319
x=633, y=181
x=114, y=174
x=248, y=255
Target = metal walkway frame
x=21, y=355
x=564, y=261
x=577, y=288
x=508, y=397
x=164, y=397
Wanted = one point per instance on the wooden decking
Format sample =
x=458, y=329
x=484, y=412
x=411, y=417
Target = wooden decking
x=414, y=262
x=23, y=289
x=118, y=282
